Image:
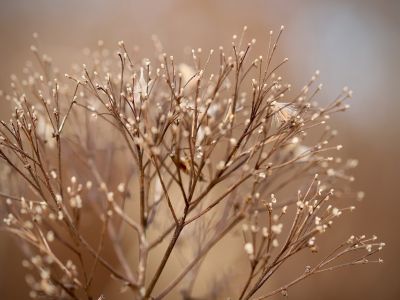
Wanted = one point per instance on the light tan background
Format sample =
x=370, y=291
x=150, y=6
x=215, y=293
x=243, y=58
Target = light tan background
x=355, y=43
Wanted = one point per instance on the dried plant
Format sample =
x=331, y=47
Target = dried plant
x=125, y=164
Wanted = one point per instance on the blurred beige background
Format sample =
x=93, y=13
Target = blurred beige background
x=355, y=43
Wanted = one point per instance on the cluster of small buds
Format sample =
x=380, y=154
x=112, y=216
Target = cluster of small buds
x=74, y=192
x=9, y=220
x=43, y=284
x=169, y=128
x=277, y=228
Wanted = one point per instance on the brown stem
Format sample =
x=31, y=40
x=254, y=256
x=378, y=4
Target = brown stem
x=177, y=232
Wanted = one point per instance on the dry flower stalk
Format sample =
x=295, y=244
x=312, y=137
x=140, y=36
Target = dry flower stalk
x=171, y=153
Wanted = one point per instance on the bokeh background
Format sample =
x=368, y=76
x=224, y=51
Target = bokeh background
x=352, y=42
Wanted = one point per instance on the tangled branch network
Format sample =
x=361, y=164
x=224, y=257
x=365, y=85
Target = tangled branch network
x=136, y=169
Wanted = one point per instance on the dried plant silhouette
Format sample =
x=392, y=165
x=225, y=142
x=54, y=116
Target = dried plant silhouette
x=126, y=163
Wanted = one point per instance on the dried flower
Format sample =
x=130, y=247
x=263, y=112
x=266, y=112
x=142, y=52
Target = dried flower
x=177, y=154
